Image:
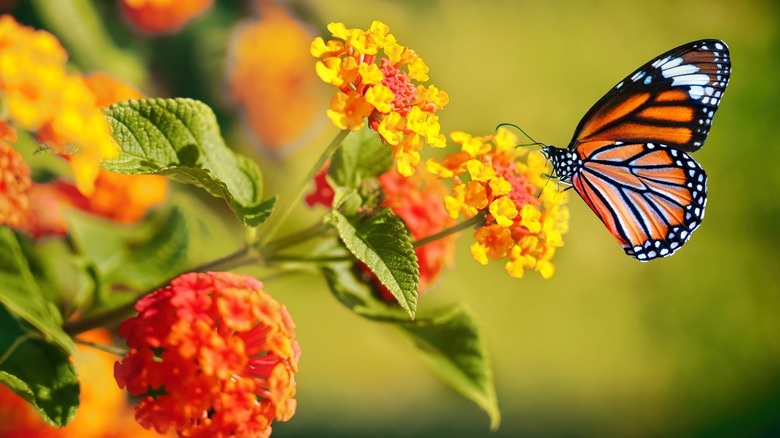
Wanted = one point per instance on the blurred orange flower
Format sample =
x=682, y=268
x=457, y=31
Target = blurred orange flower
x=159, y=16
x=104, y=411
x=269, y=76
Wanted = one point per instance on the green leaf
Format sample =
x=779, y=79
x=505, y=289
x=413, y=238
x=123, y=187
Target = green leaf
x=451, y=343
x=180, y=138
x=22, y=295
x=357, y=295
x=38, y=371
x=361, y=156
x=137, y=258
x=382, y=243
x=448, y=339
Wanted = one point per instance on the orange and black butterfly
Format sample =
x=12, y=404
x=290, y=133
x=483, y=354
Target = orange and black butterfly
x=628, y=157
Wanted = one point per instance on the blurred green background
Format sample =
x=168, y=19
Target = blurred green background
x=685, y=346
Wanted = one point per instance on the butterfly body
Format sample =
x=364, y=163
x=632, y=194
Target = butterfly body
x=628, y=157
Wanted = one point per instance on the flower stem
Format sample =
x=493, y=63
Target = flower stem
x=303, y=259
x=105, y=348
x=298, y=194
x=293, y=239
x=452, y=230
x=237, y=258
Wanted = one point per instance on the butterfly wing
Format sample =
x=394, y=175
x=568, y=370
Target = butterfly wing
x=629, y=149
x=670, y=100
x=651, y=197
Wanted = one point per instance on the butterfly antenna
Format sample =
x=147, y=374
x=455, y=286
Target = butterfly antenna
x=535, y=143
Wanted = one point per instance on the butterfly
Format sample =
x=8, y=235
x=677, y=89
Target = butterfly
x=628, y=158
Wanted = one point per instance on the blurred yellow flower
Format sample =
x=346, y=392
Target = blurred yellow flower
x=375, y=88
x=269, y=76
x=520, y=225
x=39, y=95
x=120, y=198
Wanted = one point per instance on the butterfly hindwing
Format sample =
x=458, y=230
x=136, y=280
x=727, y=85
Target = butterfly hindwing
x=650, y=197
x=670, y=100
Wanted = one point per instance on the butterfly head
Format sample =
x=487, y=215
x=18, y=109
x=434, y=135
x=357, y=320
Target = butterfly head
x=565, y=162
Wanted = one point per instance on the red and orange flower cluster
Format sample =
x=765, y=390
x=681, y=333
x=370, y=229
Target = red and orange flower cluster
x=211, y=355
x=384, y=94
x=63, y=110
x=525, y=216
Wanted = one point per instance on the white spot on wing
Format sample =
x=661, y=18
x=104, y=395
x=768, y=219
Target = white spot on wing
x=680, y=70
x=700, y=79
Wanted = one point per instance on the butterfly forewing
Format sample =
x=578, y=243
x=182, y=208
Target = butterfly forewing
x=670, y=100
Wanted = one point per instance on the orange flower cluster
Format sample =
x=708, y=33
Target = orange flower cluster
x=15, y=181
x=269, y=69
x=160, y=16
x=40, y=95
x=400, y=111
x=520, y=225
x=210, y=355
x=103, y=408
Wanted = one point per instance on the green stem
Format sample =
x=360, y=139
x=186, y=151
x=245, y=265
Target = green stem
x=294, y=258
x=238, y=258
x=298, y=194
x=296, y=238
x=105, y=348
x=480, y=218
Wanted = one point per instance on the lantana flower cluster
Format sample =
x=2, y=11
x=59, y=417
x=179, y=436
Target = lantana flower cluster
x=212, y=354
x=524, y=216
x=375, y=77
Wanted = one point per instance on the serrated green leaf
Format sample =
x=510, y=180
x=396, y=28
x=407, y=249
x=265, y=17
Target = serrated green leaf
x=180, y=138
x=451, y=343
x=22, y=295
x=38, y=371
x=362, y=155
x=382, y=243
x=357, y=295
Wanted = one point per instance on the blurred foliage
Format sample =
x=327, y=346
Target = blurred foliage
x=609, y=347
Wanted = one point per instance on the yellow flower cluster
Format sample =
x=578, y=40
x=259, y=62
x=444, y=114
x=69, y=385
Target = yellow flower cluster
x=38, y=94
x=525, y=216
x=374, y=87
